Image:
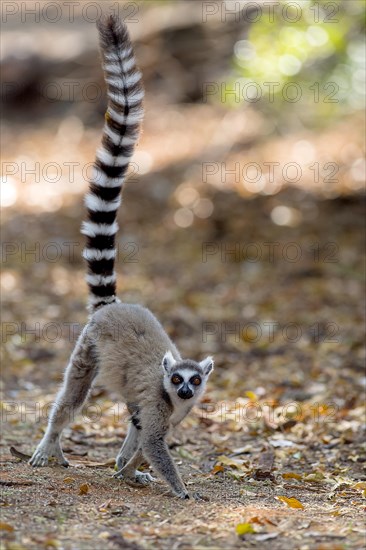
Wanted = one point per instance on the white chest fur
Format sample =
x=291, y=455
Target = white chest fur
x=181, y=409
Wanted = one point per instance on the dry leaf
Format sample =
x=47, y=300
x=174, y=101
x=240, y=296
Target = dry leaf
x=317, y=476
x=6, y=527
x=265, y=466
x=256, y=519
x=19, y=454
x=227, y=461
x=251, y=395
x=84, y=489
x=360, y=485
x=237, y=475
x=244, y=529
x=103, y=507
x=291, y=502
x=53, y=543
x=69, y=480
x=218, y=468
x=291, y=475
x=90, y=464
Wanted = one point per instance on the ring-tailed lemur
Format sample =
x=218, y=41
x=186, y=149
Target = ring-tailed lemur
x=123, y=344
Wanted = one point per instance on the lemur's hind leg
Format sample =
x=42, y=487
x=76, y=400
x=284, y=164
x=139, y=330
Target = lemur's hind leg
x=79, y=376
x=129, y=447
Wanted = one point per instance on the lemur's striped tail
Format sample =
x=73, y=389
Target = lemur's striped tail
x=121, y=131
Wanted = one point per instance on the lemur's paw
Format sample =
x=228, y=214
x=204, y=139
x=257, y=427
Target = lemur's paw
x=119, y=474
x=183, y=495
x=39, y=458
x=195, y=496
x=142, y=478
x=42, y=455
x=139, y=479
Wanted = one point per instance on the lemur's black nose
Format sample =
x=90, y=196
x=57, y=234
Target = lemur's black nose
x=185, y=393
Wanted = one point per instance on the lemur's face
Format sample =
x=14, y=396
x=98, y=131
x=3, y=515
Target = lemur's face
x=185, y=379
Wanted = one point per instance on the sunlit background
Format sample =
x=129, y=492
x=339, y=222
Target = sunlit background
x=287, y=87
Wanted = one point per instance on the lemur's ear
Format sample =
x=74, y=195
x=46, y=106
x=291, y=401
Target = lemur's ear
x=168, y=362
x=207, y=365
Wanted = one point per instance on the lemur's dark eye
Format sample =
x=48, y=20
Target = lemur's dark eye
x=195, y=380
x=176, y=379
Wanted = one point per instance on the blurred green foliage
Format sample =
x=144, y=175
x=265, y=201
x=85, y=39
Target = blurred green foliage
x=303, y=61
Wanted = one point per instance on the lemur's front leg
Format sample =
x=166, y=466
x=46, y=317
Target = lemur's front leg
x=155, y=449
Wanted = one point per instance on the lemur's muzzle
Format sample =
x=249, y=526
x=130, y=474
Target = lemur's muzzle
x=185, y=392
